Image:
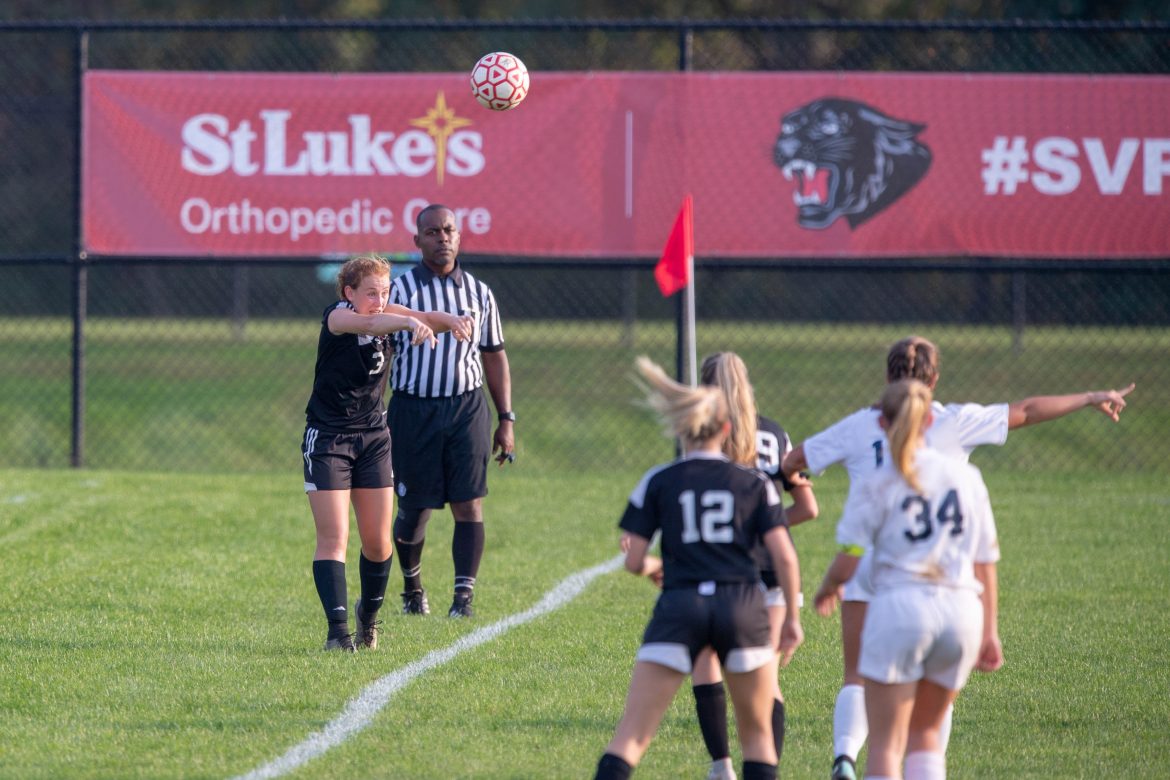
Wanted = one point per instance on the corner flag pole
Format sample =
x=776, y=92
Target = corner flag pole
x=676, y=271
x=690, y=317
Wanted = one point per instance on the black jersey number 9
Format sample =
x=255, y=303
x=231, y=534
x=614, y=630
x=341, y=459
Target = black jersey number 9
x=713, y=525
x=768, y=453
x=948, y=512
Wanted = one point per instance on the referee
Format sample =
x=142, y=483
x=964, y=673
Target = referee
x=439, y=420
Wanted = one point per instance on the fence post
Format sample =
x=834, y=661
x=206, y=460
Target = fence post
x=80, y=269
x=239, y=300
x=1019, y=310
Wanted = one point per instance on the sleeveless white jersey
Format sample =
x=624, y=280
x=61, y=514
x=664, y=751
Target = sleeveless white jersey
x=930, y=537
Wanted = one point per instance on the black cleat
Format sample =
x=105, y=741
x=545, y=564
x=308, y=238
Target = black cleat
x=367, y=632
x=344, y=643
x=461, y=606
x=414, y=602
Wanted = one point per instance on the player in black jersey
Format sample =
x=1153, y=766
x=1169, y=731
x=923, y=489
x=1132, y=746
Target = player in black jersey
x=711, y=513
x=760, y=442
x=346, y=448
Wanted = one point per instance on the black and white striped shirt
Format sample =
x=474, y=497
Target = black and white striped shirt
x=453, y=367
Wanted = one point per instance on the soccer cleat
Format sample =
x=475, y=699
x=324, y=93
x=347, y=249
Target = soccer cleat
x=367, y=632
x=721, y=770
x=414, y=602
x=461, y=606
x=844, y=768
x=344, y=643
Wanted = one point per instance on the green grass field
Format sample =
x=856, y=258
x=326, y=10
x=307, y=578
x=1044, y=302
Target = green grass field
x=196, y=395
x=166, y=626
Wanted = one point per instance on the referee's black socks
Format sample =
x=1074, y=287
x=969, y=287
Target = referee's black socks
x=374, y=577
x=329, y=577
x=409, y=536
x=466, y=552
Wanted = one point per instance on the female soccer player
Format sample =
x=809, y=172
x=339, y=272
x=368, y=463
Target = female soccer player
x=859, y=443
x=756, y=441
x=933, y=617
x=710, y=512
x=346, y=448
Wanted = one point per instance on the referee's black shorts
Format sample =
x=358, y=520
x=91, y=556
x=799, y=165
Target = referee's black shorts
x=729, y=617
x=441, y=448
x=340, y=461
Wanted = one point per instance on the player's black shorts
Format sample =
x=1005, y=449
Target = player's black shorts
x=729, y=617
x=340, y=461
x=441, y=448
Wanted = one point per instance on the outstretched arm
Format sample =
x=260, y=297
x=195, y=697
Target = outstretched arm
x=349, y=321
x=1042, y=408
x=438, y=321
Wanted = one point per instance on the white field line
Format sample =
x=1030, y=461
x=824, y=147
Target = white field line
x=360, y=712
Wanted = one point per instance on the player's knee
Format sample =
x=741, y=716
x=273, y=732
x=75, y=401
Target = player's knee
x=410, y=525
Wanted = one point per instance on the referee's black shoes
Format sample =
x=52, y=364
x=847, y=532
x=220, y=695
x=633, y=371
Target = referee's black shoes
x=414, y=602
x=461, y=606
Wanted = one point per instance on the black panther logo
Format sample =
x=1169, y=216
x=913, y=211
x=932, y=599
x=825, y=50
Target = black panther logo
x=847, y=160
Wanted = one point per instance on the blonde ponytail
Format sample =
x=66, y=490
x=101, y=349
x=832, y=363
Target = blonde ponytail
x=693, y=414
x=905, y=405
x=726, y=371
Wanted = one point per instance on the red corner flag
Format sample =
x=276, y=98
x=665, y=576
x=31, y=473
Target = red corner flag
x=673, y=271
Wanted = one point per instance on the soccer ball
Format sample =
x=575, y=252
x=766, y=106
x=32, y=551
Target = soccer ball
x=499, y=81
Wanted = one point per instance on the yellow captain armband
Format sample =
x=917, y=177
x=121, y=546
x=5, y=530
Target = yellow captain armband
x=855, y=550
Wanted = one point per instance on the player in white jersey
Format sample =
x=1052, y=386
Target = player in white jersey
x=858, y=443
x=711, y=513
x=927, y=521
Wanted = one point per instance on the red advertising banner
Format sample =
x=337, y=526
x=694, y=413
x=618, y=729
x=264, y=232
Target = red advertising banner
x=595, y=164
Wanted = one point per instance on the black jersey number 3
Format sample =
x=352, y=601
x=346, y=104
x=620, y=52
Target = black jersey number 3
x=379, y=363
x=713, y=526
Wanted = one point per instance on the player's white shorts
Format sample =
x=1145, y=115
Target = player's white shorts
x=922, y=631
x=775, y=598
x=859, y=587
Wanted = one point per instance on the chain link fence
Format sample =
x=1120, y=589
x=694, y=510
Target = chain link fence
x=202, y=364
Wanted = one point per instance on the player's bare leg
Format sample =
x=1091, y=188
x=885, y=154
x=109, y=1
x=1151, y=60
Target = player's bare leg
x=850, y=726
x=888, y=708
x=331, y=518
x=374, y=508
x=652, y=688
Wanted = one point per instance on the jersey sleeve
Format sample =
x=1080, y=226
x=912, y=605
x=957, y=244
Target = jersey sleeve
x=823, y=449
x=492, y=335
x=978, y=425
x=636, y=519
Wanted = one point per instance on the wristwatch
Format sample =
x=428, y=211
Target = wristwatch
x=511, y=416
